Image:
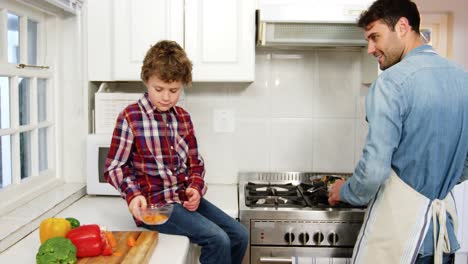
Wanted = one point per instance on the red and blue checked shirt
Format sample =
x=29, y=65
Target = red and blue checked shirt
x=154, y=154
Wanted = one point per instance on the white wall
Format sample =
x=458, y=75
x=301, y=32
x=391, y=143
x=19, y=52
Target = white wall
x=458, y=10
x=304, y=112
x=71, y=111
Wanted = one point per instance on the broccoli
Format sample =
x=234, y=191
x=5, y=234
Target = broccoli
x=56, y=250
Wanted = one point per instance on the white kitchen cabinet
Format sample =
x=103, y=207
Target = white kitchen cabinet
x=220, y=39
x=98, y=21
x=218, y=36
x=121, y=31
x=138, y=24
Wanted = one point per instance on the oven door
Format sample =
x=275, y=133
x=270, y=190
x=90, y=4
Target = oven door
x=285, y=255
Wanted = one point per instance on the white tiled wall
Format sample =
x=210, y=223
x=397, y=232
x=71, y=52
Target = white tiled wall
x=304, y=112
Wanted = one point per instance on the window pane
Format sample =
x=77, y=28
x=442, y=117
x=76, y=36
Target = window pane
x=4, y=102
x=13, y=38
x=5, y=161
x=25, y=154
x=41, y=100
x=32, y=42
x=24, y=95
x=43, y=159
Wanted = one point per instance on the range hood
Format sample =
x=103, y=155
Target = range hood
x=314, y=23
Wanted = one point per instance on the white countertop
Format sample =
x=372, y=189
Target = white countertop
x=112, y=212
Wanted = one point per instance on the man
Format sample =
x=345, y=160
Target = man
x=416, y=149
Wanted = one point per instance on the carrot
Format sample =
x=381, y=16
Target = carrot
x=117, y=254
x=154, y=219
x=111, y=239
x=131, y=241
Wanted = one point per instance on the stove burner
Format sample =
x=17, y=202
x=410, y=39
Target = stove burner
x=275, y=201
x=254, y=189
x=273, y=195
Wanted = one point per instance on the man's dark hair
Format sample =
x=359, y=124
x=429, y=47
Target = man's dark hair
x=390, y=11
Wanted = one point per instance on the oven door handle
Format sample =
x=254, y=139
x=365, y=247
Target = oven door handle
x=279, y=260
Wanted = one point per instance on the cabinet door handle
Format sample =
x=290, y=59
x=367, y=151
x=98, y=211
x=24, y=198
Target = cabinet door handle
x=268, y=260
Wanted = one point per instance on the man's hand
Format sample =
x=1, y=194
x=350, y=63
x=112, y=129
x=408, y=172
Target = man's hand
x=334, y=194
x=193, y=199
x=137, y=202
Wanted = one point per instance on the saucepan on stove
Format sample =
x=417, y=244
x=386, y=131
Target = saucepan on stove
x=324, y=182
x=316, y=190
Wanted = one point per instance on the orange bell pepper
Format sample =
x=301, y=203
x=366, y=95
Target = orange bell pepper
x=53, y=227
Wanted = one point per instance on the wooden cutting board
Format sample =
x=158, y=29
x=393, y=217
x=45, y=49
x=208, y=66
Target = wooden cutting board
x=146, y=242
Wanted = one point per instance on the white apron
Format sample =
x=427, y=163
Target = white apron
x=396, y=222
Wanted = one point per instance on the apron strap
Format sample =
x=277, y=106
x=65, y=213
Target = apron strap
x=440, y=208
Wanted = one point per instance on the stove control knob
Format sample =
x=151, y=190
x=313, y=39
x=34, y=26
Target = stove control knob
x=333, y=238
x=304, y=238
x=318, y=238
x=289, y=238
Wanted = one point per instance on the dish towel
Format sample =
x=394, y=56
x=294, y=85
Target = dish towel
x=320, y=260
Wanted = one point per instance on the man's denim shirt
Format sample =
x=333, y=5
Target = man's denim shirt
x=417, y=112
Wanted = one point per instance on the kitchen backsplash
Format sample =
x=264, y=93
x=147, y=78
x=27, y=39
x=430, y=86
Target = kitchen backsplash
x=304, y=112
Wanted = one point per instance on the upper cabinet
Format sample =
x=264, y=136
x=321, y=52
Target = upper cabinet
x=121, y=31
x=218, y=37
x=137, y=26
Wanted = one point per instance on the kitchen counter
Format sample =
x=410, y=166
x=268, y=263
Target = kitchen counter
x=112, y=212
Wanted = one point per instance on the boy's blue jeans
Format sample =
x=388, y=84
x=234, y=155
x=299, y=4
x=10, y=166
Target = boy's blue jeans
x=222, y=238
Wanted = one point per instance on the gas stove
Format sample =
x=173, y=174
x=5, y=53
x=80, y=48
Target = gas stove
x=288, y=215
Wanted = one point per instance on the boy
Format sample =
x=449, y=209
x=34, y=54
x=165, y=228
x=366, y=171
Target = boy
x=154, y=159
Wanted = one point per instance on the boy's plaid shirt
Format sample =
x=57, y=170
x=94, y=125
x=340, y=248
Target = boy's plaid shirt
x=154, y=154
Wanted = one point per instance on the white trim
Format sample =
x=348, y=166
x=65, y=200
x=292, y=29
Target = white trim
x=23, y=39
x=13, y=196
x=3, y=35
x=47, y=40
x=55, y=7
x=7, y=131
x=438, y=23
x=14, y=122
x=44, y=124
x=8, y=69
x=34, y=132
x=45, y=204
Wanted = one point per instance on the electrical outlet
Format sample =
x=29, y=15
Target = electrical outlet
x=224, y=120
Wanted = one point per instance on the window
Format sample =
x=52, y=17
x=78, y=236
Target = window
x=26, y=117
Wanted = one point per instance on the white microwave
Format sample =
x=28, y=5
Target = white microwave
x=97, y=149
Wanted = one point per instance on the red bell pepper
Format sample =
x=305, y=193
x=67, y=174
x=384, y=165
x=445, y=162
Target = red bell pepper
x=106, y=246
x=87, y=240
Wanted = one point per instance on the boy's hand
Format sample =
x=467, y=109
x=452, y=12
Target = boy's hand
x=193, y=199
x=137, y=201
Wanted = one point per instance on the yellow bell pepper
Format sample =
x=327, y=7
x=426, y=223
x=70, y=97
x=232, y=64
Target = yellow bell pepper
x=53, y=227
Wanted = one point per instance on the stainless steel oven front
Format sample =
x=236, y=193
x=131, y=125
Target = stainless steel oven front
x=289, y=229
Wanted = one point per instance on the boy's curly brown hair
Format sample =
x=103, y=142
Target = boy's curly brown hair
x=169, y=62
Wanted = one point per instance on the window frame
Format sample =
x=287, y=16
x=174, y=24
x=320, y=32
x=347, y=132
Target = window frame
x=46, y=31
